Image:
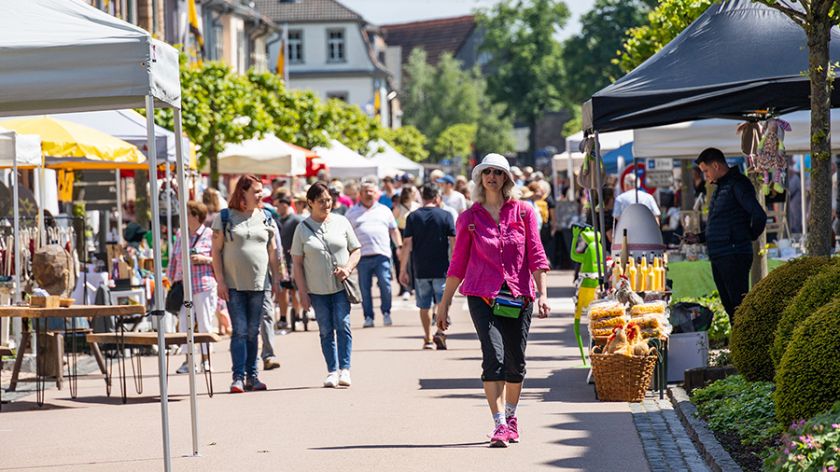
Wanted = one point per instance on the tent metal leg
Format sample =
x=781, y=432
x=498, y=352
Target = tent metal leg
x=185, y=263
x=119, y=206
x=158, y=310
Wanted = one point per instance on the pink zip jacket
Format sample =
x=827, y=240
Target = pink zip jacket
x=487, y=255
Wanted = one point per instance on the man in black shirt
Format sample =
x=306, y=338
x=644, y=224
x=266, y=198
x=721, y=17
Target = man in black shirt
x=288, y=222
x=428, y=236
x=735, y=220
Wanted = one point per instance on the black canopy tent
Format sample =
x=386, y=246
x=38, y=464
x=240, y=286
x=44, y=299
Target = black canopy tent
x=739, y=59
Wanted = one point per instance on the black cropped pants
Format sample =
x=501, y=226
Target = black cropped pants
x=503, y=341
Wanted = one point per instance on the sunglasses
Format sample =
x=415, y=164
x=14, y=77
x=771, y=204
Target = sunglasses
x=496, y=172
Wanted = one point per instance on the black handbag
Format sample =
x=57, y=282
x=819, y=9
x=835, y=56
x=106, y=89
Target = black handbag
x=354, y=294
x=175, y=296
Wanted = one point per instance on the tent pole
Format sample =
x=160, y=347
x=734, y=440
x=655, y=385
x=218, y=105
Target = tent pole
x=16, y=210
x=119, y=206
x=600, y=190
x=170, y=236
x=183, y=196
x=42, y=197
x=802, y=196
x=571, y=172
x=158, y=310
x=636, y=180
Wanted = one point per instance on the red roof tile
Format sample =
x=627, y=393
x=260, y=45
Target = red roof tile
x=435, y=36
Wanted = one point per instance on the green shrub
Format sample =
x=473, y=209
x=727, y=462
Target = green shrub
x=734, y=405
x=812, y=445
x=817, y=291
x=808, y=380
x=756, y=318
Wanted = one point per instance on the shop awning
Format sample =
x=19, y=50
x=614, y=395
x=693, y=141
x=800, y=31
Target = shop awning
x=268, y=155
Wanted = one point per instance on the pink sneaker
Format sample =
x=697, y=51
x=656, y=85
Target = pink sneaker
x=513, y=429
x=500, y=437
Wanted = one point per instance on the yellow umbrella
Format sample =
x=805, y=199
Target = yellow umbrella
x=79, y=146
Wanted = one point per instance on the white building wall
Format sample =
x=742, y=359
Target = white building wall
x=359, y=90
x=233, y=27
x=315, y=48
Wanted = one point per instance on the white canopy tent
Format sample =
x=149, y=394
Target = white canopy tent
x=344, y=162
x=67, y=56
x=268, y=155
x=687, y=140
x=572, y=158
x=390, y=161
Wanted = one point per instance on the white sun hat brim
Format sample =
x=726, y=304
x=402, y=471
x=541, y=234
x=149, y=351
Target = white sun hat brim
x=496, y=161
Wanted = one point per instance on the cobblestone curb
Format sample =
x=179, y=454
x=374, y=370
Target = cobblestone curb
x=710, y=449
x=666, y=444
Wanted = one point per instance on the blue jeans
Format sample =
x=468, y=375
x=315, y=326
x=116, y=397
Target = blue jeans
x=333, y=315
x=381, y=267
x=246, y=310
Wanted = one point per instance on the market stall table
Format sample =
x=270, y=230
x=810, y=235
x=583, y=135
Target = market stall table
x=38, y=315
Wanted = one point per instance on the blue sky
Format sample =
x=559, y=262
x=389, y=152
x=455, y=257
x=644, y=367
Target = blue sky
x=401, y=11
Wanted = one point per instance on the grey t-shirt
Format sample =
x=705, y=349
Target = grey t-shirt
x=317, y=262
x=245, y=258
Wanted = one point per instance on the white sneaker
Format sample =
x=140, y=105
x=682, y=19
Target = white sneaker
x=387, y=320
x=184, y=369
x=344, y=378
x=331, y=380
x=406, y=296
x=368, y=323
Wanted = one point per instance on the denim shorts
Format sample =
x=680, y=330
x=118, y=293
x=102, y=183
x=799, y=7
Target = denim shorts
x=428, y=292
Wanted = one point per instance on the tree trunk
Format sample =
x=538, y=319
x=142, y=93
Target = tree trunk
x=213, y=157
x=819, y=218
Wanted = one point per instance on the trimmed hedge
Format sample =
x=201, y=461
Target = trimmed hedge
x=819, y=290
x=808, y=381
x=756, y=318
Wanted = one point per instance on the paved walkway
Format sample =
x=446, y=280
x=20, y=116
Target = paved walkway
x=408, y=410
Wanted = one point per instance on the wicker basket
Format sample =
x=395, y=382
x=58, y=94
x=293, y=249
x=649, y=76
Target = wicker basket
x=621, y=378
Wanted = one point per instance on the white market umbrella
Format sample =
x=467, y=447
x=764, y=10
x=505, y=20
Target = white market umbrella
x=344, y=162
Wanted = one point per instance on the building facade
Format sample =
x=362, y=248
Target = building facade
x=332, y=51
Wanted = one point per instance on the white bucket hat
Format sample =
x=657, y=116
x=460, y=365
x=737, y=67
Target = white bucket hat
x=493, y=160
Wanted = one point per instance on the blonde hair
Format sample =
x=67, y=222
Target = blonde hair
x=509, y=190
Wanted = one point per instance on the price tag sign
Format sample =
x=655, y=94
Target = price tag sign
x=659, y=164
x=659, y=178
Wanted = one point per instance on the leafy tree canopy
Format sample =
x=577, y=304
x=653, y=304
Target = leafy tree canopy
x=408, y=141
x=457, y=140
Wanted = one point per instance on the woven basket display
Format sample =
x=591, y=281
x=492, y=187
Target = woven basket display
x=620, y=378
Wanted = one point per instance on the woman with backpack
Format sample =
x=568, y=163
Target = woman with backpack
x=245, y=257
x=325, y=251
x=497, y=261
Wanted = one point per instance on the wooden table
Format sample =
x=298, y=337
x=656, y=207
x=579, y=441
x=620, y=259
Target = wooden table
x=37, y=315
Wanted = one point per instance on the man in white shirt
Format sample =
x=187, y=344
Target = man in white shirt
x=450, y=197
x=629, y=197
x=374, y=224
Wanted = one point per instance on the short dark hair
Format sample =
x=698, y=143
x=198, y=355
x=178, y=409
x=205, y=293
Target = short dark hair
x=429, y=192
x=316, y=190
x=710, y=155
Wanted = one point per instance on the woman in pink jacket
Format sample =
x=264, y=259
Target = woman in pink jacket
x=497, y=261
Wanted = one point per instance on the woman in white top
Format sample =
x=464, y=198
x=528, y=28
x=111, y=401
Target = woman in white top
x=325, y=251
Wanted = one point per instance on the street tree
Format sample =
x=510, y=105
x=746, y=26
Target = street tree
x=408, y=141
x=589, y=57
x=456, y=140
x=438, y=97
x=525, y=64
x=817, y=17
x=217, y=108
x=663, y=24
